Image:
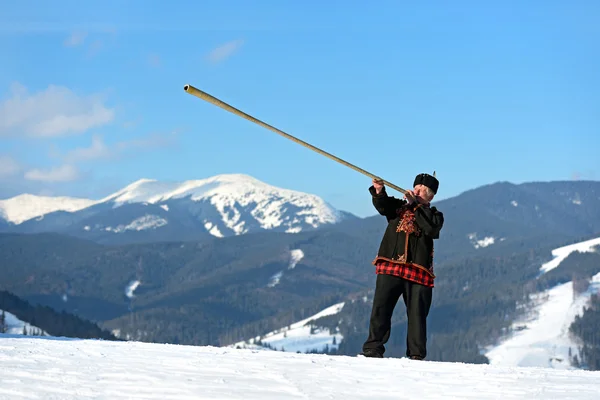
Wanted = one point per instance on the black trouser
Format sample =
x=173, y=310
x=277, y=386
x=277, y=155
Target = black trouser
x=417, y=298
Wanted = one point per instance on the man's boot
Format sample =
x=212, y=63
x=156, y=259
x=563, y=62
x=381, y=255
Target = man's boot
x=371, y=353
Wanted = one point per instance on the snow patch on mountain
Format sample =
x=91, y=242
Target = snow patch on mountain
x=226, y=206
x=14, y=326
x=275, y=279
x=479, y=243
x=148, y=221
x=27, y=206
x=212, y=229
x=302, y=336
x=295, y=256
x=561, y=253
x=130, y=288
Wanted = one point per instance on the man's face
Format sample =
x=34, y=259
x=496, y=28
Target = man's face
x=423, y=192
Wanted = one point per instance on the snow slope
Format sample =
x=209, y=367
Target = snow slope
x=14, y=325
x=561, y=253
x=544, y=339
x=299, y=336
x=541, y=338
x=46, y=368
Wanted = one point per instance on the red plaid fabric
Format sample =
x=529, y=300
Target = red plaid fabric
x=408, y=271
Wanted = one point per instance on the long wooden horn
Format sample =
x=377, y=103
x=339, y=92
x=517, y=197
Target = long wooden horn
x=213, y=100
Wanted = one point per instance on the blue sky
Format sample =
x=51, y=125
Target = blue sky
x=91, y=93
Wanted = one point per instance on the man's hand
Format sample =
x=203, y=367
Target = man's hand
x=410, y=196
x=378, y=185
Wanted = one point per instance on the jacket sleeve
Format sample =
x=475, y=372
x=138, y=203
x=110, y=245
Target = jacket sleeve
x=430, y=220
x=384, y=204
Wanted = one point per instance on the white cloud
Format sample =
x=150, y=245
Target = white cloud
x=55, y=111
x=99, y=150
x=75, y=39
x=8, y=166
x=224, y=51
x=64, y=173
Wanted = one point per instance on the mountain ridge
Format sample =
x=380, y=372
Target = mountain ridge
x=150, y=210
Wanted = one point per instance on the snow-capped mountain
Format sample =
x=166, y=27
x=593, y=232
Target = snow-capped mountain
x=222, y=205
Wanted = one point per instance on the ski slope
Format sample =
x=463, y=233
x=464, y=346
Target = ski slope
x=561, y=253
x=299, y=336
x=541, y=337
x=544, y=339
x=57, y=368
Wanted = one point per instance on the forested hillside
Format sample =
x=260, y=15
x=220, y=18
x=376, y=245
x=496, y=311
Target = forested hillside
x=587, y=329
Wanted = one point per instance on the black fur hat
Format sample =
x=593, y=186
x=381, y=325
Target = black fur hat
x=428, y=180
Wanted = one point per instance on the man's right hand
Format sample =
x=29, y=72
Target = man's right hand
x=378, y=185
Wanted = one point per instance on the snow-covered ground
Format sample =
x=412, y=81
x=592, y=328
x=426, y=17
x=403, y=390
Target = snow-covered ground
x=47, y=368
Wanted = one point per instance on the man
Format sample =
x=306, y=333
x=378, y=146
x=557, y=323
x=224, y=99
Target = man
x=404, y=264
